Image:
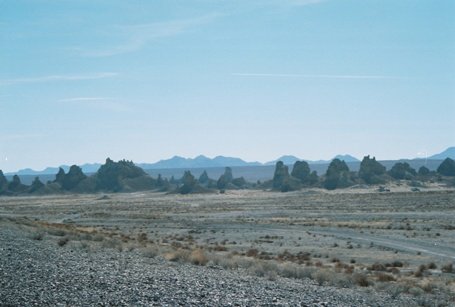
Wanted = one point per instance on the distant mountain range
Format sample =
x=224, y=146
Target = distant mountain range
x=201, y=161
x=289, y=160
x=448, y=153
x=198, y=162
x=86, y=168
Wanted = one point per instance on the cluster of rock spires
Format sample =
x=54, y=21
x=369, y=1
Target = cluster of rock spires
x=121, y=176
x=338, y=174
x=125, y=176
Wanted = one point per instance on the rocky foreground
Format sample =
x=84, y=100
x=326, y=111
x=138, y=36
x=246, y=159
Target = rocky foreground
x=42, y=273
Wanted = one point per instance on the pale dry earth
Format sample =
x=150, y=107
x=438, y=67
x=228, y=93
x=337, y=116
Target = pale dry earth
x=360, y=226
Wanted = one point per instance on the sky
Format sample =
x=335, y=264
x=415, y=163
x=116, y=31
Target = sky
x=146, y=80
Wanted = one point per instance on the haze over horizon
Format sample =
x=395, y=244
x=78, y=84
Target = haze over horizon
x=85, y=80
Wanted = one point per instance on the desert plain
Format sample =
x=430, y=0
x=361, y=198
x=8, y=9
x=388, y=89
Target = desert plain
x=350, y=247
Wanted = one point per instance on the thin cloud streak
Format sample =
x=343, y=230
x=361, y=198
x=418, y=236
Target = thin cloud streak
x=101, y=103
x=304, y=2
x=138, y=36
x=19, y=136
x=51, y=78
x=84, y=99
x=313, y=76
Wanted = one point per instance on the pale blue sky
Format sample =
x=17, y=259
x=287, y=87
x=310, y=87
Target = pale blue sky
x=146, y=80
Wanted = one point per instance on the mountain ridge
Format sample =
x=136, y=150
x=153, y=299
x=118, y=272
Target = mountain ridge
x=202, y=161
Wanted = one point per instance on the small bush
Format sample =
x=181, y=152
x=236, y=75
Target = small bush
x=63, y=241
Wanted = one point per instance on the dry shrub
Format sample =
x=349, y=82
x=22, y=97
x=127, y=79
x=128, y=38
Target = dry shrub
x=415, y=291
x=98, y=238
x=252, y=252
x=111, y=243
x=198, y=257
x=63, y=241
x=384, y=277
x=422, y=268
x=393, y=271
x=447, y=268
x=349, y=269
x=266, y=269
x=432, y=266
x=377, y=267
x=418, y=273
x=322, y=276
x=427, y=286
x=225, y=262
x=361, y=280
x=220, y=248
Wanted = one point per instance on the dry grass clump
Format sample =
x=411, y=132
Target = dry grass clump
x=198, y=257
x=322, y=276
x=177, y=255
x=150, y=252
x=289, y=270
x=266, y=269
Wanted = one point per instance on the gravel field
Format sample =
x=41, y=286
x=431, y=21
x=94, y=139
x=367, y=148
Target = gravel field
x=41, y=273
x=307, y=248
